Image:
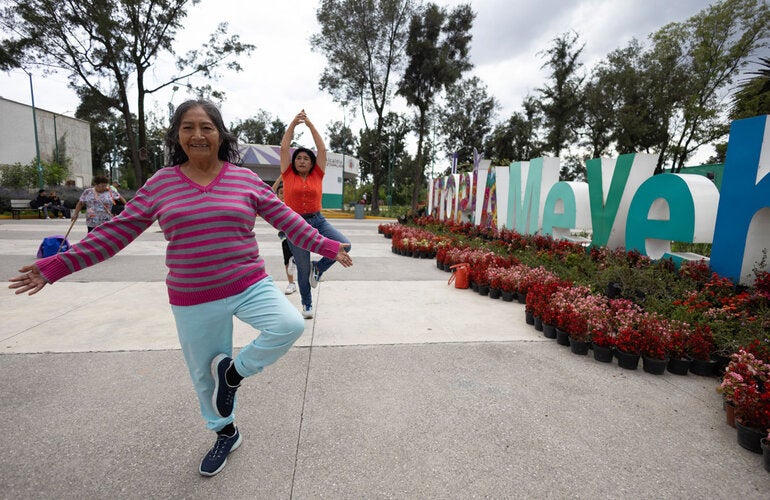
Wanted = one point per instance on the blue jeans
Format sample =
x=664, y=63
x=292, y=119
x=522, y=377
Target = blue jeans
x=302, y=256
x=206, y=330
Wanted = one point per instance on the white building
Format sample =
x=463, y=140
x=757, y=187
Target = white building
x=17, y=138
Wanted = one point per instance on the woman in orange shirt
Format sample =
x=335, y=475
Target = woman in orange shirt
x=302, y=173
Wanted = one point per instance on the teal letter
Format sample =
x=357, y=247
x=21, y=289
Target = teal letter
x=567, y=207
x=525, y=204
x=671, y=207
x=626, y=173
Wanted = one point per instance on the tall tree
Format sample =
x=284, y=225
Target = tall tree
x=715, y=43
x=438, y=46
x=468, y=114
x=341, y=139
x=561, y=98
x=363, y=41
x=598, y=118
x=109, y=47
x=262, y=128
x=518, y=138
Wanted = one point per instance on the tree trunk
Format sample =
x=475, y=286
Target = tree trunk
x=418, y=168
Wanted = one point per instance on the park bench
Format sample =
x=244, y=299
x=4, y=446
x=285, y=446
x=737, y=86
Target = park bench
x=19, y=206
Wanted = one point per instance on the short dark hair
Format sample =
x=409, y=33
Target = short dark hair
x=100, y=179
x=228, y=150
x=40, y=191
x=309, y=153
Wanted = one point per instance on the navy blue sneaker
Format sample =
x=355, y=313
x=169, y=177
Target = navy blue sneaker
x=223, y=398
x=216, y=458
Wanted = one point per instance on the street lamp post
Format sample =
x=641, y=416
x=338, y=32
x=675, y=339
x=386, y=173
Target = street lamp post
x=390, y=176
x=37, y=142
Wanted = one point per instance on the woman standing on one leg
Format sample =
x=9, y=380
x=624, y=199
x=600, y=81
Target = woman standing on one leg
x=302, y=174
x=206, y=207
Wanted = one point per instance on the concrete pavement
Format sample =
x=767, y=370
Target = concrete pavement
x=401, y=387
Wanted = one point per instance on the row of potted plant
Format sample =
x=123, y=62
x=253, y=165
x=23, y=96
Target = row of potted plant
x=692, y=294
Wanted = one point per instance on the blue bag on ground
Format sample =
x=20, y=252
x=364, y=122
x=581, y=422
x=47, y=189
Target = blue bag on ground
x=51, y=244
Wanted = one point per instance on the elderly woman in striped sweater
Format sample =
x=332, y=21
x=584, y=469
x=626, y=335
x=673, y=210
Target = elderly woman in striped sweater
x=206, y=207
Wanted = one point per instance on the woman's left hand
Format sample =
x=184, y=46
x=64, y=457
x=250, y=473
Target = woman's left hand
x=343, y=257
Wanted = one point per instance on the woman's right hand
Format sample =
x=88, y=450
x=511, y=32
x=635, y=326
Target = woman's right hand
x=300, y=118
x=31, y=281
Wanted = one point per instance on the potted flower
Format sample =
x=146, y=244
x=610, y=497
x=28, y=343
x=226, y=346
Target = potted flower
x=539, y=304
x=744, y=385
x=603, y=341
x=678, y=362
x=628, y=341
x=751, y=396
x=654, y=331
x=700, y=345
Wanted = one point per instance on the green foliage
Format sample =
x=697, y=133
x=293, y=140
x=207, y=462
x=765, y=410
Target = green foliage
x=466, y=118
x=363, y=42
x=341, y=139
x=437, y=49
x=712, y=46
x=561, y=99
x=753, y=98
x=516, y=139
x=260, y=129
x=19, y=176
x=108, y=49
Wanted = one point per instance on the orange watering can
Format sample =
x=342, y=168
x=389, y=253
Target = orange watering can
x=460, y=275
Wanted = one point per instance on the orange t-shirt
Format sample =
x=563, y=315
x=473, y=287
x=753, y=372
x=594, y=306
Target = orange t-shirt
x=303, y=195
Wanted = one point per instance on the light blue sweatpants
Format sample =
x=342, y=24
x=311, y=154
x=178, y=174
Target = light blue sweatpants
x=206, y=330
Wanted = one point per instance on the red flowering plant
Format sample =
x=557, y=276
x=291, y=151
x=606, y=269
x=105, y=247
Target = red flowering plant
x=746, y=383
x=696, y=270
x=535, y=275
x=539, y=301
x=744, y=368
x=480, y=261
x=625, y=321
x=495, y=277
x=700, y=343
x=387, y=229
x=510, y=277
x=456, y=255
x=575, y=306
x=678, y=333
x=654, y=330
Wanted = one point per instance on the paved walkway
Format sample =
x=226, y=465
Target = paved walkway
x=401, y=387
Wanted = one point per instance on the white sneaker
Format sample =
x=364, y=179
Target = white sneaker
x=315, y=276
x=307, y=312
x=292, y=267
x=290, y=288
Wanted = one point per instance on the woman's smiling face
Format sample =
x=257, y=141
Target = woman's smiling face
x=198, y=135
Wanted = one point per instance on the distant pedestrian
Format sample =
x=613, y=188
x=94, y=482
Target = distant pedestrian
x=57, y=208
x=118, y=202
x=288, y=259
x=98, y=203
x=42, y=202
x=206, y=207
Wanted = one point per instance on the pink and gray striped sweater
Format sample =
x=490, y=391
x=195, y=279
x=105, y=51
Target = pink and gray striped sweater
x=212, y=252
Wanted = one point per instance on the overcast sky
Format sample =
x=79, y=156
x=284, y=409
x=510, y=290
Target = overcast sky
x=281, y=75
